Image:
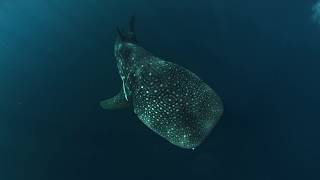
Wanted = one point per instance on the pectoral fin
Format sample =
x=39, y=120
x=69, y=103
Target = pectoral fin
x=119, y=101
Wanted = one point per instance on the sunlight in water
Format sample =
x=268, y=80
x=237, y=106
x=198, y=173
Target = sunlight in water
x=316, y=13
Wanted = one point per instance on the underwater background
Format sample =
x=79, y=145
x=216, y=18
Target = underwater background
x=56, y=65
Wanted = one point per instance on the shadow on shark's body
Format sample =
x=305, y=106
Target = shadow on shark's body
x=168, y=98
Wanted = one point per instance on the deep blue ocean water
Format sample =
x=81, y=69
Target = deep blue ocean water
x=56, y=64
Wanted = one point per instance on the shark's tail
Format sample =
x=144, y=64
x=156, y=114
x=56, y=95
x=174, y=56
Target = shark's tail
x=129, y=36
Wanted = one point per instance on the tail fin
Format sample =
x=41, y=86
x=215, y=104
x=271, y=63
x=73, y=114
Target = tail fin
x=130, y=35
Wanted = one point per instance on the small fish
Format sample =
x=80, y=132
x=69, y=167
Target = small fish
x=168, y=98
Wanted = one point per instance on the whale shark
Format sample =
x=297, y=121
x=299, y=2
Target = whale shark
x=168, y=98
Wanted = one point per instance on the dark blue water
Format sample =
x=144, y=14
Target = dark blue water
x=56, y=64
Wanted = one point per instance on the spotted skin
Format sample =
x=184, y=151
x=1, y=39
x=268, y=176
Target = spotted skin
x=168, y=98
